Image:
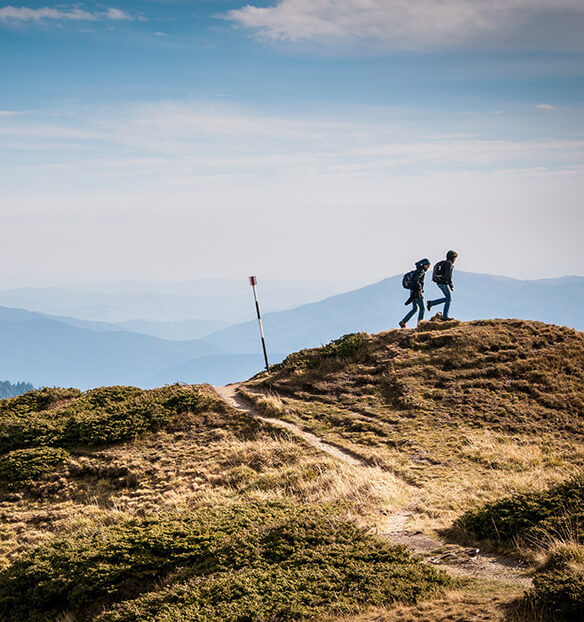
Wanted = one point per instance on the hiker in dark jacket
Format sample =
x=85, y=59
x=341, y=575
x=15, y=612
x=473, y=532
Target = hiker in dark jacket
x=417, y=292
x=442, y=276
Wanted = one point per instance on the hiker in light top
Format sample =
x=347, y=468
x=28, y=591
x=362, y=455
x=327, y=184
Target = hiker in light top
x=442, y=276
x=414, y=281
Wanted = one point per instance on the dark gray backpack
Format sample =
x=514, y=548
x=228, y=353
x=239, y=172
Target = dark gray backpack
x=439, y=272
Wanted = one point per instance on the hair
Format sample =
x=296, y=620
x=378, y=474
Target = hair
x=450, y=255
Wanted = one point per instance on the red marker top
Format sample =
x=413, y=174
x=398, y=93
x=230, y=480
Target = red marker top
x=252, y=280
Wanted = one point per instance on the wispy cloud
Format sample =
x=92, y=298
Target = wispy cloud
x=72, y=13
x=544, y=107
x=415, y=24
x=171, y=138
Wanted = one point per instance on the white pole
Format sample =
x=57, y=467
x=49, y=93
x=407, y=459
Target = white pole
x=253, y=283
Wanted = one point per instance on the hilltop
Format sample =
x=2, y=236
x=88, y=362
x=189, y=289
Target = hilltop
x=459, y=404
x=507, y=374
x=176, y=503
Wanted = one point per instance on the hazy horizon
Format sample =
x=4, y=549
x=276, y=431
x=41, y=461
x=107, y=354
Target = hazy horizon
x=9, y=284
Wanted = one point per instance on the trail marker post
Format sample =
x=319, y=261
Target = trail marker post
x=253, y=282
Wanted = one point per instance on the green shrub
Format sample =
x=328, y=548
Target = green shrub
x=346, y=347
x=34, y=401
x=23, y=466
x=530, y=517
x=542, y=520
x=248, y=562
x=66, y=417
x=558, y=590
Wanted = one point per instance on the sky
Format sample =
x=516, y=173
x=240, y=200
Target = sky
x=294, y=139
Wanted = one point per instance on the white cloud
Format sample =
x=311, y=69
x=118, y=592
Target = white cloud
x=544, y=107
x=117, y=15
x=407, y=24
x=159, y=183
x=178, y=140
x=26, y=14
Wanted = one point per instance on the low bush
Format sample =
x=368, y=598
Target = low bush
x=247, y=562
x=530, y=518
x=346, y=347
x=552, y=521
x=558, y=589
x=36, y=428
x=23, y=466
x=66, y=417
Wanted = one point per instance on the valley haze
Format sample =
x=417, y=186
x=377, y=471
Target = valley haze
x=56, y=350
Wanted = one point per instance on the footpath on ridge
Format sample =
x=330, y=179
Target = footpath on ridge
x=461, y=561
x=230, y=395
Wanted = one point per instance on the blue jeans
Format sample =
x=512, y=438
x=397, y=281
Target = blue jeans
x=417, y=305
x=446, y=300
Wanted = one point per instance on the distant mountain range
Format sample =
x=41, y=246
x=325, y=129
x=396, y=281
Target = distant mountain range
x=51, y=351
x=194, y=307
x=380, y=306
x=59, y=350
x=9, y=389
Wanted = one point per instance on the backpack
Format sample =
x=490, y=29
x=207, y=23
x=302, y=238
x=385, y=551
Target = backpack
x=408, y=280
x=438, y=272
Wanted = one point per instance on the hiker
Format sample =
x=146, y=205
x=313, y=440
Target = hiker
x=442, y=276
x=414, y=281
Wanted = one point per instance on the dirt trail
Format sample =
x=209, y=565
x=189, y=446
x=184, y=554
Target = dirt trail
x=229, y=394
x=467, y=562
x=461, y=561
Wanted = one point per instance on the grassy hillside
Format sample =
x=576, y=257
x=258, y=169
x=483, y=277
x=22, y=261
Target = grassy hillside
x=465, y=412
x=483, y=420
x=122, y=504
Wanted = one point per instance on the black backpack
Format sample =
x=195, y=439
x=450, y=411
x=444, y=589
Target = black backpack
x=408, y=280
x=438, y=274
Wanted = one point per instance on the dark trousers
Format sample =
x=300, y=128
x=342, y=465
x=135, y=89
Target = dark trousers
x=417, y=305
x=446, y=300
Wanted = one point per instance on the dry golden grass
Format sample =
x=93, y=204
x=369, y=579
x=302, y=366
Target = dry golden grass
x=475, y=603
x=447, y=471
x=268, y=403
x=224, y=460
x=465, y=413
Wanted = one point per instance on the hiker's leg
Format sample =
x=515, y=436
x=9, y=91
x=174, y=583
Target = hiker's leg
x=410, y=313
x=420, y=302
x=447, y=298
x=438, y=301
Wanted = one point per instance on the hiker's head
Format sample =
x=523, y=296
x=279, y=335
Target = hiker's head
x=424, y=264
x=451, y=256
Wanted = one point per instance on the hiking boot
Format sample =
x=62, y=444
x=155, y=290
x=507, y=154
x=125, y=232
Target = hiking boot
x=402, y=324
x=429, y=305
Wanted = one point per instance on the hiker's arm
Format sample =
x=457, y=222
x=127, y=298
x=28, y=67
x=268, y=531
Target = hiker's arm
x=450, y=269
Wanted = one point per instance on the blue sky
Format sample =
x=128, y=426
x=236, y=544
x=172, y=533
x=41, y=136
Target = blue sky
x=336, y=139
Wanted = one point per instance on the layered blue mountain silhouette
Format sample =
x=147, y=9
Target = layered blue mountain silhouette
x=52, y=351
x=380, y=306
x=55, y=350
